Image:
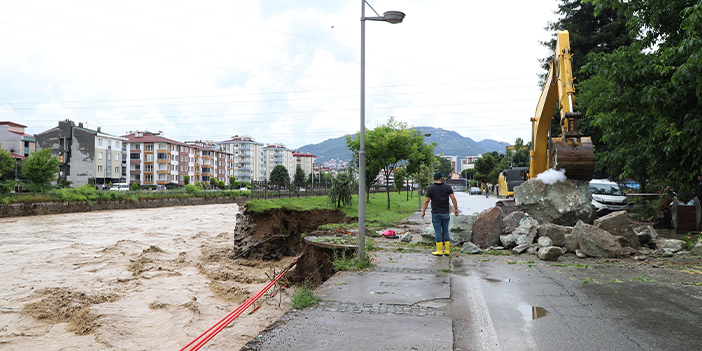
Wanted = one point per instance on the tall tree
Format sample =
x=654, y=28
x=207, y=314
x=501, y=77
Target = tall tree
x=40, y=168
x=646, y=96
x=444, y=166
x=279, y=174
x=387, y=146
x=299, y=175
x=591, y=32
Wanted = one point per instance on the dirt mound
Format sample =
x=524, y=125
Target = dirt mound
x=59, y=305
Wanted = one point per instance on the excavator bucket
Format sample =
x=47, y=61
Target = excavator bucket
x=575, y=155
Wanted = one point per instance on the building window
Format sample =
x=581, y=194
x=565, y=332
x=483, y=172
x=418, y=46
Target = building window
x=149, y=157
x=109, y=143
x=148, y=178
x=99, y=155
x=116, y=169
x=117, y=144
x=162, y=156
x=116, y=157
x=99, y=169
x=148, y=168
x=100, y=141
x=136, y=146
x=148, y=147
x=135, y=156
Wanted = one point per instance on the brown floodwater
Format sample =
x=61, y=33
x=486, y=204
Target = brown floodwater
x=145, y=279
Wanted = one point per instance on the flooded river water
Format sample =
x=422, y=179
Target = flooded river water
x=146, y=279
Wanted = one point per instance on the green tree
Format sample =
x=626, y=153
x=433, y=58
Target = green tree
x=186, y=179
x=444, y=166
x=399, y=179
x=7, y=164
x=341, y=192
x=280, y=174
x=40, y=168
x=645, y=96
x=386, y=147
x=135, y=186
x=469, y=173
x=299, y=175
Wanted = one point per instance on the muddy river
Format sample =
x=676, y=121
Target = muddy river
x=146, y=279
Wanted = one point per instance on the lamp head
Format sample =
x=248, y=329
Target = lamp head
x=394, y=16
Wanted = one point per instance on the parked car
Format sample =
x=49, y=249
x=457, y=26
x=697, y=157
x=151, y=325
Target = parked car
x=474, y=190
x=607, y=197
x=120, y=187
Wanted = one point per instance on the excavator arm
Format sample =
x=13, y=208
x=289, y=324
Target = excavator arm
x=571, y=151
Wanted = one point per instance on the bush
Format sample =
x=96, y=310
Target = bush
x=134, y=187
x=193, y=189
x=303, y=297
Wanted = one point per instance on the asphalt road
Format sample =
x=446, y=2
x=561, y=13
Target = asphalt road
x=522, y=303
x=469, y=204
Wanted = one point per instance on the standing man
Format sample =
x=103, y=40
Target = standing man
x=439, y=194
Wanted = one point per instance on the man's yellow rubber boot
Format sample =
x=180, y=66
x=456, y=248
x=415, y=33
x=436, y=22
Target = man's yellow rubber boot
x=439, y=249
x=447, y=250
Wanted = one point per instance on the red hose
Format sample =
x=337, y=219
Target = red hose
x=224, y=322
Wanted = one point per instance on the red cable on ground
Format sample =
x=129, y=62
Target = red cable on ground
x=224, y=322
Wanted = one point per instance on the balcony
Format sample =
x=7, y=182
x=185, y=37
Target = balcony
x=162, y=172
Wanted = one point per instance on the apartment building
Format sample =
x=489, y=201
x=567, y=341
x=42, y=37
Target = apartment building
x=14, y=140
x=157, y=160
x=247, y=157
x=454, y=163
x=275, y=155
x=84, y=154
x=305, y=160
x=469, y=162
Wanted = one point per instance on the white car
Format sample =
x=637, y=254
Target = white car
x=120, y=187
x=607, y=197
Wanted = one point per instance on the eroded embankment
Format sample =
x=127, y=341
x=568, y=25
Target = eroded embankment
x=276, y=233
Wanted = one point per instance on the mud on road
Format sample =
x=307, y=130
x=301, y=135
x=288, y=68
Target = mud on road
x=129, y=280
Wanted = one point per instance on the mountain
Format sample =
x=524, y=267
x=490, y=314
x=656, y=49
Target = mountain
x=449, y=143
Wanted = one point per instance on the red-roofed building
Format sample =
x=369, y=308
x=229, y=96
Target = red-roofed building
x=16, y=141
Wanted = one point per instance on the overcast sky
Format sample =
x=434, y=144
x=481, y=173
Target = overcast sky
x=281, y=71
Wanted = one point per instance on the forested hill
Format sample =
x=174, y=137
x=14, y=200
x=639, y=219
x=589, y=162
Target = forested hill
x=449, y=143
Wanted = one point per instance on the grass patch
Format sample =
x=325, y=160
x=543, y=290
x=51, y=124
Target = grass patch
x=445, y=270
x=614, y=280
x=377, y=213
x=303, y=297
x=342, y=263
x=691, y=283
x=338, y=240
x=641, y=278
x=590, y=281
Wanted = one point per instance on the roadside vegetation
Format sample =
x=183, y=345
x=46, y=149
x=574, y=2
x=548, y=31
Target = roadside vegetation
x=89, y=194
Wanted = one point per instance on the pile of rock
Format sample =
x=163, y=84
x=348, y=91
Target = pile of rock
x=555, y=219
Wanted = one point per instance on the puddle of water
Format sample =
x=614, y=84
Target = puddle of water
x=531, y=312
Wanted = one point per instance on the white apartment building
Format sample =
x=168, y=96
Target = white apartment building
x=305, y=160
x=278, y=154
x=454, y=162
x=469, y=162
x=247, y=158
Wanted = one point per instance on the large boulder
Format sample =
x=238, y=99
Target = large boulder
x=526, y=231
x=596, y=242
x=619, y=224
x=428, y=235
x=555, y=232
x=646, y=234
x=461, y=228
x=570, y=242
x=697, y=249
x=562, y=203
x=673, y=245
x=512, y=221
x=470, y=248
x=488, y=228
x=508, y=241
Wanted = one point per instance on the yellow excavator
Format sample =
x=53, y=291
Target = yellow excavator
x=571, y=151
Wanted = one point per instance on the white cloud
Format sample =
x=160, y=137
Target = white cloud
x=277, y=70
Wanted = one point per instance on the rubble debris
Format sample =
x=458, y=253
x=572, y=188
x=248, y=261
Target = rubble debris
x=470, y=248
x=512, y=221
x=461, y=228
x=488, y=227
x=596, y=242
x=560, y=203
x=619, y=224
x=674, y=245
x=549, y=253
x=557, y=233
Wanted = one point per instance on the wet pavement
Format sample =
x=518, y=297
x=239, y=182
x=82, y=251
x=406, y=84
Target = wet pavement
x=416, y=301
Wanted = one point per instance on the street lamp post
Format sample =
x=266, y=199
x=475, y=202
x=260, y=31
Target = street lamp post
x=391, y=17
